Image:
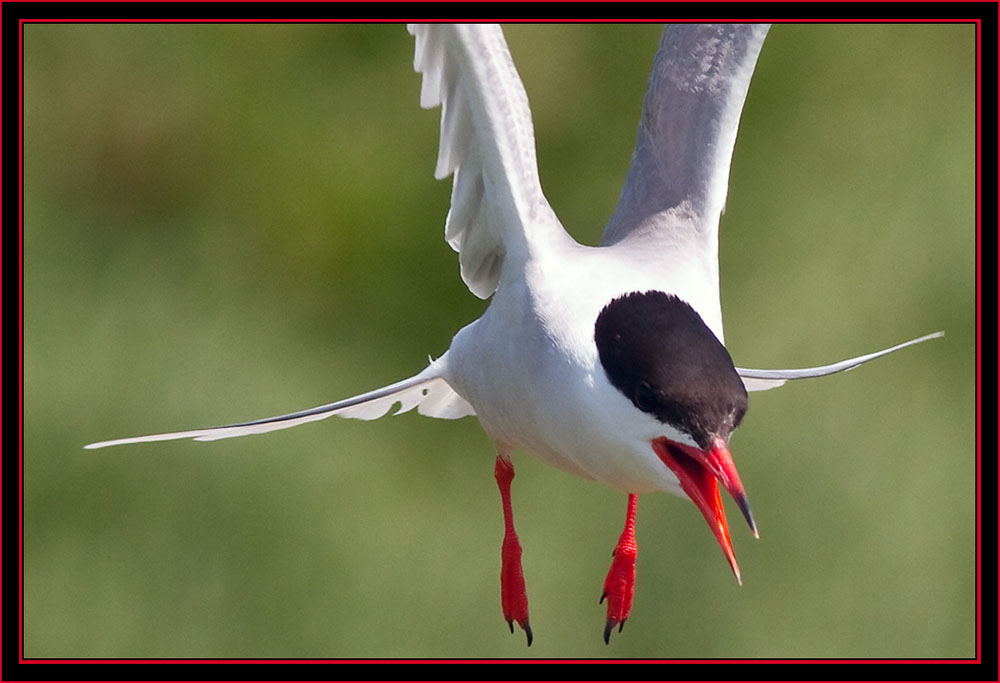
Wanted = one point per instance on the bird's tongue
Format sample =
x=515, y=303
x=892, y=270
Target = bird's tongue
x=698, y=472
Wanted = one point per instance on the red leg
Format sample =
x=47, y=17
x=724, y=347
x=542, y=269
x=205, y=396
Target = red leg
x=620, y=584
x=513, y=596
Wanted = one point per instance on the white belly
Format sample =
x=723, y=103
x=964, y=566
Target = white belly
x=530, y=369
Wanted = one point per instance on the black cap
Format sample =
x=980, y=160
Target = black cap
x=660, y=354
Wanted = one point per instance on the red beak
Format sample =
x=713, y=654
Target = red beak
x=699, y=473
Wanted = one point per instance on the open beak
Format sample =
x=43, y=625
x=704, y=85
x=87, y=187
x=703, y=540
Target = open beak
x=699, y=473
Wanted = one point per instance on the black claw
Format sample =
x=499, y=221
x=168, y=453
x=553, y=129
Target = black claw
x=526, y=626
x=610, y=626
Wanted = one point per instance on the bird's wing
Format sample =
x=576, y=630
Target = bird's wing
x=487, y=142
x=760, y=380
x=676, y=186
x=428, y=392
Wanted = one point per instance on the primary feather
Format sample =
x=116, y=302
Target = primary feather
x=487, y=143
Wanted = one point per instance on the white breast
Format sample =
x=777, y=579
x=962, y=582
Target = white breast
x=530, y=369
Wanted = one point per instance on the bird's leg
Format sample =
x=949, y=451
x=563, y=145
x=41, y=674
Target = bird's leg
x=513, y=596
x=620, y=584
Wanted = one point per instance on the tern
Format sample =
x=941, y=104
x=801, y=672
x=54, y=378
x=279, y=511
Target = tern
x=607, y=362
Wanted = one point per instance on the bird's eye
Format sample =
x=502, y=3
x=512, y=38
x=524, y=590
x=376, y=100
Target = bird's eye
x=645, y=397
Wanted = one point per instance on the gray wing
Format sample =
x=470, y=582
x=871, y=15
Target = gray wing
x=487, y=143
x=680, y=168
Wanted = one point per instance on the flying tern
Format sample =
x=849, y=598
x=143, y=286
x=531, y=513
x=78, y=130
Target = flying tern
x=607, y=362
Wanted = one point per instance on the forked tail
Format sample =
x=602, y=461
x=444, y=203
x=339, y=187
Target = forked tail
x=762, y=380
x=427, y=391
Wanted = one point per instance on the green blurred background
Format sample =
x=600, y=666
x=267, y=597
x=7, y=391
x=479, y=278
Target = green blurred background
x=225, y=222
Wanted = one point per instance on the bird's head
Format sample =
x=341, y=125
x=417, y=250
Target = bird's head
x=658, y=352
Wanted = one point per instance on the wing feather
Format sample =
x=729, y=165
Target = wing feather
x=676, y=186
x=487, y=143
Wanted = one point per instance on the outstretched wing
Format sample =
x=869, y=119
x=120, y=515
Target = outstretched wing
x=487, y=142
x=761, y=380
x=676, y=186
